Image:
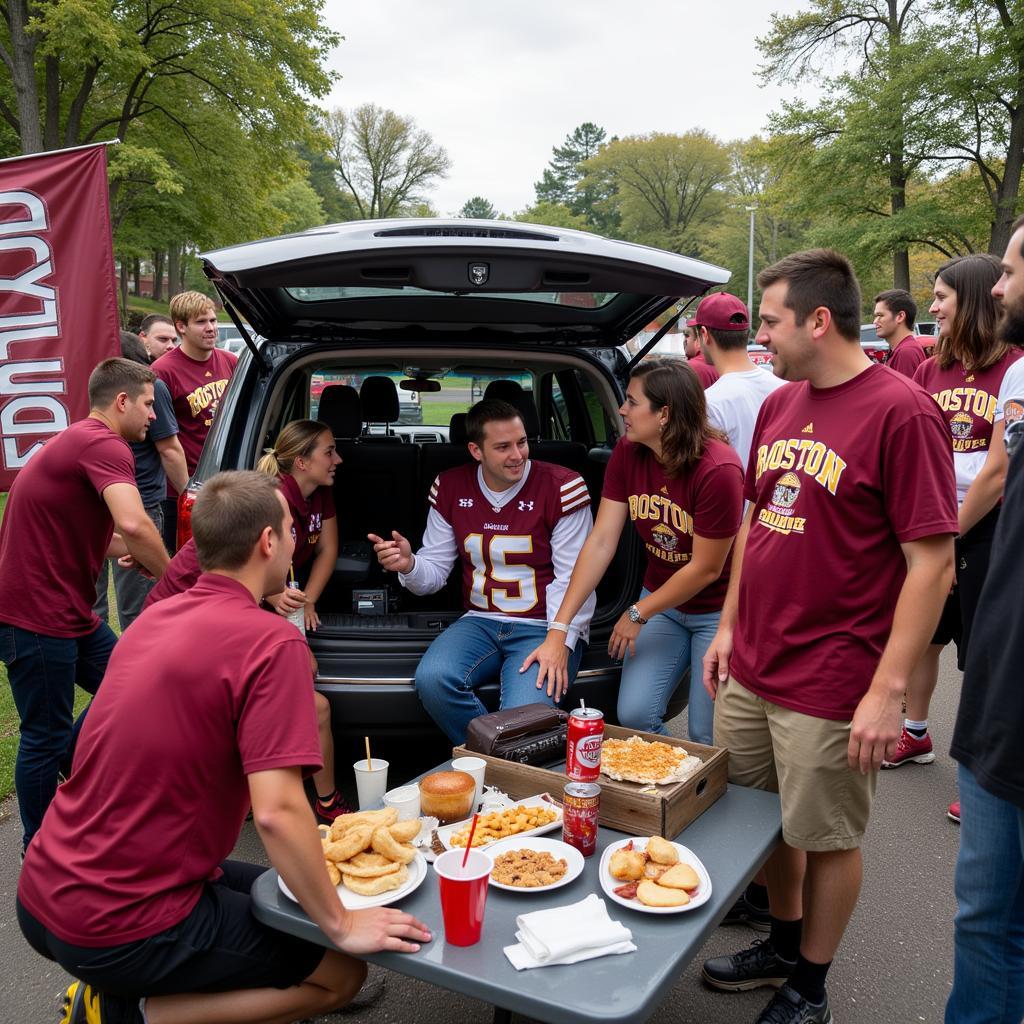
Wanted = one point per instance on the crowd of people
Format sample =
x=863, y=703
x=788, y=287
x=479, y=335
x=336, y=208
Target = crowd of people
x=813, y=537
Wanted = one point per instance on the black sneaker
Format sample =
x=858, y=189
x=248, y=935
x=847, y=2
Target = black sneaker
x=789, y=1007
x=744, y=912
x=755, y=967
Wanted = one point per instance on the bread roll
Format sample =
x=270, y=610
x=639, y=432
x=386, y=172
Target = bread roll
x=447, y=796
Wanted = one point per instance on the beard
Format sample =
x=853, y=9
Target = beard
x=1011, y=324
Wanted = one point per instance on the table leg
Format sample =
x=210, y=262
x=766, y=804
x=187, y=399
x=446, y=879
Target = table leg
x=502, y=1016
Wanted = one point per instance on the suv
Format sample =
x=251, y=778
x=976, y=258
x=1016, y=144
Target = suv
x=353, y=315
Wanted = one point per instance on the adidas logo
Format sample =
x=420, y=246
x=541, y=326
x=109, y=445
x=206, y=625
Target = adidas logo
x=809, y=429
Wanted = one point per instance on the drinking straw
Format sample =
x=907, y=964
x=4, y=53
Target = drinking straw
x=469, y=841
x=369, y=766
x=291, y=575
x=582, y=705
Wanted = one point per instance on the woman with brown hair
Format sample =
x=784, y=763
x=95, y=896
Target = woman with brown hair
x=963, y=376
x=681, y=484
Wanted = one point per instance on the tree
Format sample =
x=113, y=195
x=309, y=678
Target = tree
x=298, y=205
x=553, y=215
x=478, y=207
x=337, y=204
x=383, y=159
x=563, y=181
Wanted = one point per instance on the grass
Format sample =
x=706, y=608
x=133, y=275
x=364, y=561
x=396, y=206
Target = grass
x=9, y=713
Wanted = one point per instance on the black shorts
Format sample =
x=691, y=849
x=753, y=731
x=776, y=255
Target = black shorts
x=219, y=947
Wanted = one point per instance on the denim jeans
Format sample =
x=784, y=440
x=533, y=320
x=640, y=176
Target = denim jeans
x=131, y=588
x=666, y=645
x=988, y=951
x=477, y=650
x=42, y=671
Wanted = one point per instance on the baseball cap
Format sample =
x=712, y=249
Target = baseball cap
x=722, y=312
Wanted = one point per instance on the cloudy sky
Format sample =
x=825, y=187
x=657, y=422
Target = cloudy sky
x=499, y=84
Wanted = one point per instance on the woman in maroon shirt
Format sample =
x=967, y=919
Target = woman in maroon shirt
x=676, y=477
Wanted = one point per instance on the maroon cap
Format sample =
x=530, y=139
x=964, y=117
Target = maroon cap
x=691, y=323
x=722, y=312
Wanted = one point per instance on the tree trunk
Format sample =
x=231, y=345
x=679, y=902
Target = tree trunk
x=26, y=92
x=124, y=287
x=173, y=268
x=158, y=276
x=1006, y=195
x=137, y=274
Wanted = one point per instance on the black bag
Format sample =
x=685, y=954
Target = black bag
x=532, y=734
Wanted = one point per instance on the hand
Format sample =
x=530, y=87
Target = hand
x=623, y=637
x=395, y=554
x=312, y=619
x=716, y=661
x=129, y=562
x=552, y=657
x=874, y=731
x=381, y=928
x=289, y=600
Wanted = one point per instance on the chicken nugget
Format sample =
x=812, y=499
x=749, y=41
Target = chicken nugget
x=345, y=822
x=384, y=843
x=354, y=841
x=651, y=894
x=382, y=883
x=333, y=873
x=654, y=870
x=662, y=851
x=405, y=831
x=627, y=865
x=680, y=876
x=368, y=865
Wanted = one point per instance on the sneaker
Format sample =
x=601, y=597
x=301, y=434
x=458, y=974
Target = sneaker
x=789, y=1007
x=953, y=811
x=755, y=967
x=910, y=748
x=744, y=912
x=326, y=813
x=82, y=1004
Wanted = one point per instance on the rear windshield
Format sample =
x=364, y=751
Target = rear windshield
x=581, y=300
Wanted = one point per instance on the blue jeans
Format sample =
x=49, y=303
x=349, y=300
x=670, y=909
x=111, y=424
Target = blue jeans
x=666, y=645
x=42, y=671
x=476, y=650
x=988, y=957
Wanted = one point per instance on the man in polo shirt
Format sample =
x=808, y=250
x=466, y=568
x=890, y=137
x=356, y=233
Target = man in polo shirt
x=706, y=373
x=158, y=335
x=127, y=884
x=58, y=527
x=895, y=315
x=839, y=574
x=196, y=373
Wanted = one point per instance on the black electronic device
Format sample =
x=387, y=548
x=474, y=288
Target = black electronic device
x=371, y=601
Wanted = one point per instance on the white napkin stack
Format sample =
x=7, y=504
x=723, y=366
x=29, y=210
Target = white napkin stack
x=566, y=935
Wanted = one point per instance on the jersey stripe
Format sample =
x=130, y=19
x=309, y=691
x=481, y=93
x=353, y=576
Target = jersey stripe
x=574, y=493
x=432, y=496
x=575, y=482
x=568, y=506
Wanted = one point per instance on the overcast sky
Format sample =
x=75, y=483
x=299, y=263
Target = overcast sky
x=499, y=84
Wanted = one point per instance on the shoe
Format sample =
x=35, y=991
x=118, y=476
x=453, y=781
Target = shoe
x=744, y=912
x=326, y=813
x=80, y=1005
x=755, y=967
x=789, y=1007
x=953, y=811
x=910, y=748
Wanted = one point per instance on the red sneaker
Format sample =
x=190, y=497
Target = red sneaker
x=953, y=813
x=327, y=812
x=910, y=748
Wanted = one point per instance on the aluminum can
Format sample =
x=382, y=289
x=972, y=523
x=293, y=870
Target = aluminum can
x=583, y=744
x=581, y=804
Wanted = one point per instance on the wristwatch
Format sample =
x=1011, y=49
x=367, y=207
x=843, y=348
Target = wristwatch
x=634, y=615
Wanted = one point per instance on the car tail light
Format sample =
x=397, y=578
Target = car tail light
x=876, y=353
x=185, y=502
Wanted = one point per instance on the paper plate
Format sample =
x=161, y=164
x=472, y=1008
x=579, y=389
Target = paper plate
x=559, y=850
x=353, y=901
x=686, y=856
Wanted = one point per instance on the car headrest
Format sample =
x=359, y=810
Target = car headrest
x=511, y=391
x=379, y=397
x=341, y=410
x=457, y=429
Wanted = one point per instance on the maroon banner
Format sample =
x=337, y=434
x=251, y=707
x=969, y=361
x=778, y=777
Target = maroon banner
x=58, y=295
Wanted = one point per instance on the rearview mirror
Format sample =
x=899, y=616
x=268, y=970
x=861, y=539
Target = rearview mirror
x=420, y=384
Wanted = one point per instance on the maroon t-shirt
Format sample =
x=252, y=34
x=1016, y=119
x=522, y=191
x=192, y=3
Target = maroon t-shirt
x=308, y=515
x=908, y=355
x=180, y=575
x=506, y=553
x=706, y=499
x=839, y=478
x=159, y=793
x=57, y=528
x=195, y=389
x=706, y=373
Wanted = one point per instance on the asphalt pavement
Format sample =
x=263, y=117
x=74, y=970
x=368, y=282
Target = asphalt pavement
x=895, y=964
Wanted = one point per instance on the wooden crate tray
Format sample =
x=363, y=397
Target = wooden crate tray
x=634, y=808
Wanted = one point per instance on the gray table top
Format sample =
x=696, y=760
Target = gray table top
x=732, y=838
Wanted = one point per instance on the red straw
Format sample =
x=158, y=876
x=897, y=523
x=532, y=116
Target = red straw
x=469, y=841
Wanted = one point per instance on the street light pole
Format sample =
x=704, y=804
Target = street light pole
x=750, y=266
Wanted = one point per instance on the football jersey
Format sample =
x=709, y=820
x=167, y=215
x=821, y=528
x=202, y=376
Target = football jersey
x=506, y=552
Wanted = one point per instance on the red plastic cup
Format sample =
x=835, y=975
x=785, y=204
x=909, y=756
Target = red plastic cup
x=463, y=894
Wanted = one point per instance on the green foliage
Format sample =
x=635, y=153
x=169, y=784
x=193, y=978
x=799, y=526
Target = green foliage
x=479, y=208
x=554, y=215
x=299, y=206
x=563, y=182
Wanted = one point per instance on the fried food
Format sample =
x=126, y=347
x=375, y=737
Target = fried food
x=384, y=843
x=653, y=870
x=333, y=873
x=528, y=869
x=627, y=865
x=662, y=851
x=501, y=824
x=637, y=760
x=380, y=884
x=405, y=831
x=354, y=841
x=680, y=876
x=344, y=822
x=368, y=865
x=651, y=894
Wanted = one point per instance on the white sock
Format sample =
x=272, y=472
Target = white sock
x=142, y=1011
x=918, y=728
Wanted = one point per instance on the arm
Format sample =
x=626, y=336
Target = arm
x=876, y=722
x=172, y=458
x=325, y=558
x=286, y=825
x=137, y=530
x=427, y=570
x=987, y=488
x=567, y=540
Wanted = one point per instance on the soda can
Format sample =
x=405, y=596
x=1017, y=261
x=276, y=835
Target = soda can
x=583, y=744
x=581, y=804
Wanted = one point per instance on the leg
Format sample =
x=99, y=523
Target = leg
x=518, y=688
x=831, y=889
x=170, y=531
x=922, y=682
x=323, y=780
x=94, y=651
x=101, y=606
x=460, y=659
x=701, y=716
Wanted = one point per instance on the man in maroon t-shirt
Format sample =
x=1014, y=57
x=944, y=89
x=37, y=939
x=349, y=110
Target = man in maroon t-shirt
x=58, y=527
x=839, y=574
x=196, y=373
x=706, y=373
x=895, y=314
x=127, y=885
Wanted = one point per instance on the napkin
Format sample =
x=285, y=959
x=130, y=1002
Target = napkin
x=567, y=935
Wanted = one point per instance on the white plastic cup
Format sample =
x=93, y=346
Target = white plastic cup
x=371, y=783
x=298, y=617
x=475, y=766
x=405, y=800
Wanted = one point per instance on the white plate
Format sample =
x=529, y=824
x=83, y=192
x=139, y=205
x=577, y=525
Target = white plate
x=559, y=850
x=353, y=901
x=541, y=800
x=687, y=856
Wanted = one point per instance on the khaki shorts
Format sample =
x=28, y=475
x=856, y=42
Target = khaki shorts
x=825, y=805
